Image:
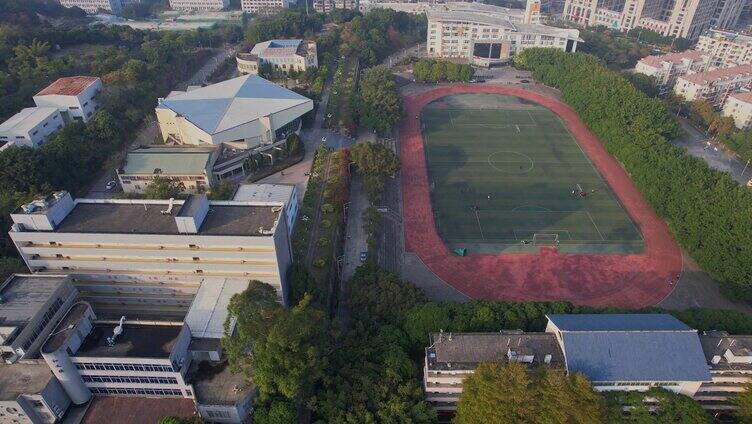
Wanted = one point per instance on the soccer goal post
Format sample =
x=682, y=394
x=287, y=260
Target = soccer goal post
x=545, y=239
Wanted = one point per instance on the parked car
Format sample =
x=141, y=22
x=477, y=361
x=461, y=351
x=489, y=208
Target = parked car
x=363, y=256
x=525, y=81
x=110, y=185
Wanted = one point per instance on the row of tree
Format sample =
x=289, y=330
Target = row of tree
x=703, y=207
x=430, y=70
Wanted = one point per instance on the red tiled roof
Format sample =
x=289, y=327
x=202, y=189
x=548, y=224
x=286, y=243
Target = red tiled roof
x=68, y=86
x=142, y=410
x=672, y=57
x=718, y=74
x=745, y=97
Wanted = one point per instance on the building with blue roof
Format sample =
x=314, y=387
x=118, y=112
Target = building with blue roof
x=632, y=351
x=282, y=56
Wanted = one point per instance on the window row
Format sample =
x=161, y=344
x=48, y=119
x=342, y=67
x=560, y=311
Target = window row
x=127, y=379
x=150, y=392
x=124, y=367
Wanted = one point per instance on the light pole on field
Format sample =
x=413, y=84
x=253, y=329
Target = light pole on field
x=745, y=167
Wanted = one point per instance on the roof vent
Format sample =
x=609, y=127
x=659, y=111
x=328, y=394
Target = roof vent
x=716, y=359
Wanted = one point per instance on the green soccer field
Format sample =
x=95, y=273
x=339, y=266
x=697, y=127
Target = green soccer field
x=506, y=175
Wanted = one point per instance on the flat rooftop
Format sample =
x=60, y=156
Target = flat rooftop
x=716, y=343
x=168, y=161
x=132, y=409
x=467, y=350
x=216, y=385
x=208, y=312
x=264, y=193
x=17, y=379
x=28, y=118
x=63, y=329
x=147, y=218
x=24, y=296
x=68, y=86
x=138, y=341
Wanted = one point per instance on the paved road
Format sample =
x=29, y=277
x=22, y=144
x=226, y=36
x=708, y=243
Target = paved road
x=715, y=155
x=355, y=235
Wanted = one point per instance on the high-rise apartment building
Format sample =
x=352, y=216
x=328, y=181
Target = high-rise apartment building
x=202, y=5
x=726, y=48
x=265, y=7
x=95, y=6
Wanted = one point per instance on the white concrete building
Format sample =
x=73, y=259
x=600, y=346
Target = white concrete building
x=668, y=67
x=30, y=127
x=191, y=166
x=242, y=113
x=74, y=97
x=31, y=306
x=739, y=107
x=730, y=361
x=95, y=6
x=726, y=48
x=30, y=394
x=199, y=4
x=265, y=7
x=488, y=35
x=284, y=56
x=283, y=193
x=326, y=6
x=129, y=242
x=714, y=86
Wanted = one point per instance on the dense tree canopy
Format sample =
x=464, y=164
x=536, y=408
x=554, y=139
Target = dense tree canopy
x=500, y=393
x=163, y=188
x=380, y=103
x=702, y=207
x=430, y=70
x=375, y=162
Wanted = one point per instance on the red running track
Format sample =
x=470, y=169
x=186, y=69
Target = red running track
x=628, y=281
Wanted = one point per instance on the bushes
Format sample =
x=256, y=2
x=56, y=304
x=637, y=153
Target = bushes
x=705, y=209
x=429, y=70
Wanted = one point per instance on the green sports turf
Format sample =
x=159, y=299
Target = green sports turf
x=524, y=158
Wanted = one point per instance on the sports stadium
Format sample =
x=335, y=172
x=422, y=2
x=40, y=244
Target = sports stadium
x=508, y=196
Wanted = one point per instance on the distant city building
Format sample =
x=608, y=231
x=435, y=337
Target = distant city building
x=75, y=97
x=687, y=19
x=326, y=6
x=726, y=48
x=488, y=35
x=265, y=7
x=30, y=306
x=199, y=4
x=714, y=86
x=668, y=67
x=95, y=6
x=30, y=127
x=739, y=107
x=243, y=113
x=284, y=193
x=629, y=352
x=137, y=242
x=191, y=166
x=283, y=56
x=727, y=13
x=30, y=393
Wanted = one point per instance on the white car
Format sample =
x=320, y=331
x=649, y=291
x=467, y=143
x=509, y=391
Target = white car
x=110, y=185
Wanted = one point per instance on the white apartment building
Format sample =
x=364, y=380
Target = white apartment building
x=488, y=35
x=265, y=7
x=283, y=193
x=75, y=97
x=687, y=18
x=282, y=55
x=668, y=67
x=739, y=107
x=131, y=242
x=95, y=6
x=242, y=113
x=714, y=86
x=326, y=6
x=30, y=127
x=727, y=13
x=30, y=394
x=206, y=5
x=726, y=48
x=31, y=306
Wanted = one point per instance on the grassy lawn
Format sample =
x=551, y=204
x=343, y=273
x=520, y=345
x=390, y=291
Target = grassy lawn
x=502, y=174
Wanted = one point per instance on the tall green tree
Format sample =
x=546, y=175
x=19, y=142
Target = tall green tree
x=375, y=162
x=381, y=105
x=163, y=188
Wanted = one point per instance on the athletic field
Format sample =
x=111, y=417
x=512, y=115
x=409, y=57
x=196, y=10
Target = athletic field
x=506, y=175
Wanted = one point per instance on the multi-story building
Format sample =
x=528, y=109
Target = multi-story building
x=726, y=48
x=95, y=6
x=206, y=5
x=451, y=358
x=488, y=35
x=687, y=18
x=30, y=306
x=714, y=86
x=244, y=113
x=727, y=13
x=191, y=166
x=74, y=97
x=283, y=56
x=284, y=193
x=730, y=361
x=265, y=7
x=30, y=127
x=30, y=394
x=668, y=67
x=739, y=107
x=631, y=352
x=130, y=242
x=326, y=6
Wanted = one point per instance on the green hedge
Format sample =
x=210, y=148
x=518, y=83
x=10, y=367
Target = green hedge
x=709, y=214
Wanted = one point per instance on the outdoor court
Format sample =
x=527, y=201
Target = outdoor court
x=461, y=143
x=507, y=175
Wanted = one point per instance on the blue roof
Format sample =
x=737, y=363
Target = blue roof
x=631, y=347
x=618, y=322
